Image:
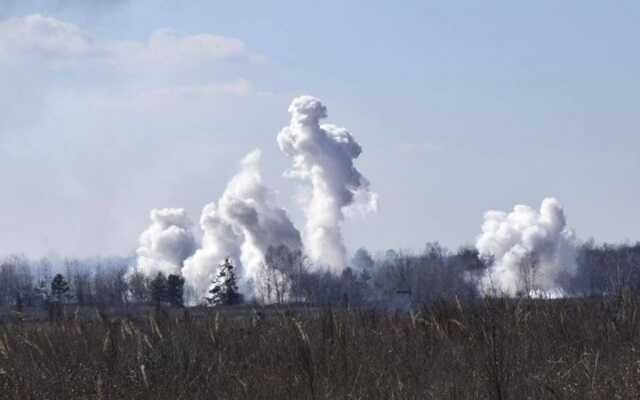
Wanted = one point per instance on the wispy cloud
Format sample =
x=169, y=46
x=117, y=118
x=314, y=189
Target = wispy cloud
x=56, y=43
x=112, y=126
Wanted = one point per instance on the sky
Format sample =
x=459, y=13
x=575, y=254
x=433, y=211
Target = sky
x=111, y=108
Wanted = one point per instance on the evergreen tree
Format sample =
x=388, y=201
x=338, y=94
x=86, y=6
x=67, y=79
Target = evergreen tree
x=224, y=290
x=159, y=288
x=175, y=290
x=59, y=289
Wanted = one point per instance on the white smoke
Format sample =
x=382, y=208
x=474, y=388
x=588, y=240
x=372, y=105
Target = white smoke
x=166, y=243
x=323, y=155
x=250, y=206
x=245, y=222
x=243, y=226
x=532, y=251
x=220, y=241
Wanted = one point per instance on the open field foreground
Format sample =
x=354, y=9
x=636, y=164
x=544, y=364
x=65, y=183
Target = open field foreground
x=497, y=349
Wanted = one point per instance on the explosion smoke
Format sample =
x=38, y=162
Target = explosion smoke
x=532, y=251
x=243, y=226
x=249, y=205
x=246, y=222
x=220, y=241
x=166, y=243
x=323, y=155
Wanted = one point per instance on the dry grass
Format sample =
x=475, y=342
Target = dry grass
x=499, y=349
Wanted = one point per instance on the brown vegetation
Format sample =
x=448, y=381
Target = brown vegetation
x=493, y=349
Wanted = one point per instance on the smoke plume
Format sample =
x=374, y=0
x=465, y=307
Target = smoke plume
x=250, y=207
x=246, y=221
x=323, y=155
x=220, y=241
x=166, y=243
x=533, y=251
x=243, y=226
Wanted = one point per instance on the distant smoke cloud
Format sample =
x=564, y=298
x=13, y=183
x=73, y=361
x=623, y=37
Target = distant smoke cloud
x=166, y=243
x=244, y=224
x=533, y=250
x=324, y=155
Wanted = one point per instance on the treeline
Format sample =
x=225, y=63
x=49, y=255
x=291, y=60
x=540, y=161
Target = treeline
x=25, y=282
x=397, y=278
x=288, y=277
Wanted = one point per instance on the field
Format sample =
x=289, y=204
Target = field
x=493, y=349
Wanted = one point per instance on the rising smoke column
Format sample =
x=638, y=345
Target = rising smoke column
x=245, y=223
x=250, y=206
x=526, y=237
x=323, y=155
x=220, y=241
x=166, y=243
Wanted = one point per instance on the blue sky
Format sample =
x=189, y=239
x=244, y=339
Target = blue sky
x=460, y=107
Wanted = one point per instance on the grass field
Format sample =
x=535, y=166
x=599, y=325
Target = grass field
x=494, y=349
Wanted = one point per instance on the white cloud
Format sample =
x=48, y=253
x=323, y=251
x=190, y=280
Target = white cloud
x=56, y=44
x=43, y=60
x=111, y=128
x=37, y=35
x=167, y=43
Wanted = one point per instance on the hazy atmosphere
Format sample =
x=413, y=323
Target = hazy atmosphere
x=109, y=109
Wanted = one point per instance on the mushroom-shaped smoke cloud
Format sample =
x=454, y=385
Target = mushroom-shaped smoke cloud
x=324, y=155
x=166, y=243
x=533, y=251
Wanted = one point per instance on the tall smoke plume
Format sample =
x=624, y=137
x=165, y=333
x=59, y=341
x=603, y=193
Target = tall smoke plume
x=533, y=251
x=166, y=243
x=245, y=223
x=323, y=155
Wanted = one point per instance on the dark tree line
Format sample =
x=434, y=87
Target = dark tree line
x=434, y=274
x=30, y=283
x=167, y=289
x=288, y=276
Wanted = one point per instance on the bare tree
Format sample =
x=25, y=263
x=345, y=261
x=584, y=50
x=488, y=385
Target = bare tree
x=282, y=275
